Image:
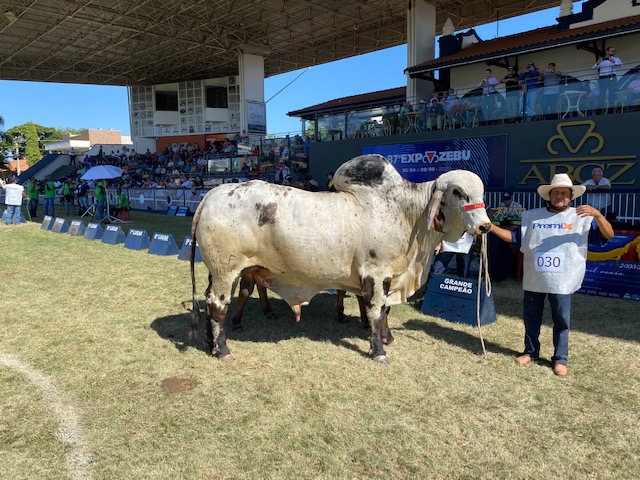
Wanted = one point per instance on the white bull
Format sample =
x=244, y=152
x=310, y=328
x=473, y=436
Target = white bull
x=374, y=237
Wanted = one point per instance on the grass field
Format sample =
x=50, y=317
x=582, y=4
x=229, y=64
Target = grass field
x=99, y=380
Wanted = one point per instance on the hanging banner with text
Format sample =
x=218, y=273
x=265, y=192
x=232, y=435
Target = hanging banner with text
x=424, y=161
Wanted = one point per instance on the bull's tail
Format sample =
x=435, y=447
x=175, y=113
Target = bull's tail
x=195, y=306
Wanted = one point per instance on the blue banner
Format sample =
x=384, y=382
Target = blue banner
x=424, y=161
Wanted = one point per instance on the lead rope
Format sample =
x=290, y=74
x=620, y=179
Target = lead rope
x=484, y=266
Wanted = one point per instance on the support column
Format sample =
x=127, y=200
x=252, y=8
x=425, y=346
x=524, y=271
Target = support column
x=251, y=79
x=421, y=44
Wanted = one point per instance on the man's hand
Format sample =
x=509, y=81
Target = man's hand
x=587, y=211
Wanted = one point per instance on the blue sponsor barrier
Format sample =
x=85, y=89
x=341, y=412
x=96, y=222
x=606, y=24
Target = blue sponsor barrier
x=77, y=228
x=171, y=211
x=163, y=244
x=113, y=235
x=60, y=225
x=93, y=232
x=183, y=212
x=47, y=222
x=455, y=299
x=137, y=240
x=185, y=251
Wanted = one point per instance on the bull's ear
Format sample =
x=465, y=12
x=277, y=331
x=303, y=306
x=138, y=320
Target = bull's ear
x=433, y=207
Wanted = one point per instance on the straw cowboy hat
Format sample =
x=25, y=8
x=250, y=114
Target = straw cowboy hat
x=561, y=180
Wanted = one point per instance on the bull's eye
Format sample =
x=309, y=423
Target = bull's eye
x=460, y=195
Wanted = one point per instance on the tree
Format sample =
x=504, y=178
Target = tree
x=18, y=136
x=32, y=148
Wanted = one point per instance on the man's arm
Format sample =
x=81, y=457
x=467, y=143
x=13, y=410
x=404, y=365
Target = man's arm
x=502, y=233
x=603, y=224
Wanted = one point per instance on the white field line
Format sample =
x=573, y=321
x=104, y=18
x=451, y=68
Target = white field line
x=79, y=457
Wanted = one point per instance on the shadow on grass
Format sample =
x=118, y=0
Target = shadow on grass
x=457, y=338
x=317, y=323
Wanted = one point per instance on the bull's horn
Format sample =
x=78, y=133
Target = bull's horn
x=433, y=207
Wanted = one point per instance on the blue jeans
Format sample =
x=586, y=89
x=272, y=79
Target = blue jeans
x=100, y=207
x=463, y=261
x=530, y=109
x=15, y=212
x=48, y=207
x=33, y=207
x=561, y=315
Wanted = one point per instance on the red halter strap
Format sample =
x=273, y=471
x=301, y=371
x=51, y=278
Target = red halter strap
x=474, y=206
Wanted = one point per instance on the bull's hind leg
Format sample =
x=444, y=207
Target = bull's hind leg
x=376, y=313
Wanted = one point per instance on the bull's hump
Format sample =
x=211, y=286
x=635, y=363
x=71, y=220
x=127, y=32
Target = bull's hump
x=365, y=170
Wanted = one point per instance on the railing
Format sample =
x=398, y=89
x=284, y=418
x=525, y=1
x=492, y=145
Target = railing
x=625, y=206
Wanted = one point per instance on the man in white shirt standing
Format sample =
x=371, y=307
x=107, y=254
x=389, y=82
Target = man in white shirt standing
x=607, y=67
x=553, y=241
x=598, y=187
x=14, y=194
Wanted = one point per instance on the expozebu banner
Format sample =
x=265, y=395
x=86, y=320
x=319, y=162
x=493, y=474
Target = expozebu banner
x=424, y=161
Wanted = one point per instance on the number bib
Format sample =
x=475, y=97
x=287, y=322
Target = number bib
x=550, y=262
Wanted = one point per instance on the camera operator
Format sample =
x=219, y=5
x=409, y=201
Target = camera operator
x=607, y=82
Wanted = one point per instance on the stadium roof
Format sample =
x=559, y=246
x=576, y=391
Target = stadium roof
x=145, y=42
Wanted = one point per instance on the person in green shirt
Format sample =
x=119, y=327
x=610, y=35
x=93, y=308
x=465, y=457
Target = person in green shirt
x=67, y=195
x=101, y=196
x=123, y=203
x=33, y=195
x=49, y=197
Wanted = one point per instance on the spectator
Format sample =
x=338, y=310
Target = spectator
x=607, y=67
x=531, y=80
x=512, y=88
x=14, y=194
x=461, y=250
x=595, y=186
x=550, y=92
x=33, y=193
x=554, y=263
x=435, y=115
x=67, y=195
x=488, y=84
x=101, y=199
x=49, y=198
x=122, y=203
x=82, y=192
x=72, y=156
x=508, y=208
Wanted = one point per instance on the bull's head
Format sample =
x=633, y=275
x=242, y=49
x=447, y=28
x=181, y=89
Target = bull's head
x=457, y=205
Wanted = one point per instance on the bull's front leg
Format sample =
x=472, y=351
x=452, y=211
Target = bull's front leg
x=374, y=296
x=216, y=338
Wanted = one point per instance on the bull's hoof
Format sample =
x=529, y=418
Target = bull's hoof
x=382, y=359
x=389, y=343
x=225, y=358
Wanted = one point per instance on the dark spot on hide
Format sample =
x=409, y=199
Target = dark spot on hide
x=373, y=254
x=222, y=298
x=368, y=171
x=386, y=284
x=267, y=213
x=367, y=290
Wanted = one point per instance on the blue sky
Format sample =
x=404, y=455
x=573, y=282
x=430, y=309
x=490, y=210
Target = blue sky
x=92, y=106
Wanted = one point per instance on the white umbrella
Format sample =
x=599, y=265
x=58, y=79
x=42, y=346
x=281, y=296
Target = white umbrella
x=103, y=172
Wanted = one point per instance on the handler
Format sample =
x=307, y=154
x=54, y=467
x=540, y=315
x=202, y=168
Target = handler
x=553, y=241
